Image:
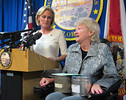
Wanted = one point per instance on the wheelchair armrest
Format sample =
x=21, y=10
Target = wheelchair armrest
x=112, y=90
x=43, y=91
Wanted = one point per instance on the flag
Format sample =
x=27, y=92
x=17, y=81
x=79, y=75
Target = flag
x=27, y=22
x=25, y=17
x=123, y=27
x=115, y=32
x=30, y=15
x=106, y=21
x=24, y=22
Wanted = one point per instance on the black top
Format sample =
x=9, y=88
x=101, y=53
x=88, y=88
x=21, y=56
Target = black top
x=84, y=53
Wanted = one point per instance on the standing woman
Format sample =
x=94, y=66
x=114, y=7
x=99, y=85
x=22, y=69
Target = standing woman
x=52, y=40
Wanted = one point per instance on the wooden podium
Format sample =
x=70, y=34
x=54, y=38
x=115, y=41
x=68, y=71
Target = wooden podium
x=24, y=73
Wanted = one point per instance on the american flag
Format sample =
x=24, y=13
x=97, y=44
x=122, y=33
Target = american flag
x=30, y=14
x=27, y=22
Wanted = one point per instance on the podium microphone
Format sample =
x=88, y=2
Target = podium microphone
x=33, y=39
x=30, y=40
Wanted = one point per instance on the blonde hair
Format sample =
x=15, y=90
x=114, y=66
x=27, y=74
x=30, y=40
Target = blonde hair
x=41, y=11
x=92, y=25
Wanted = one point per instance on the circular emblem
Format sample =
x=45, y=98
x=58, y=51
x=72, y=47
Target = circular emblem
x=5, y=59
x=67, y=12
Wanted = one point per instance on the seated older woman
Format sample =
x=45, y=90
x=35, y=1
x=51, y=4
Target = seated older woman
x=88, y=57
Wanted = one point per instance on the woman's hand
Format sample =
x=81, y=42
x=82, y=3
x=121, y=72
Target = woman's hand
x=96, y=89
x=46, y=81
x=52, y=59
x=58, y=59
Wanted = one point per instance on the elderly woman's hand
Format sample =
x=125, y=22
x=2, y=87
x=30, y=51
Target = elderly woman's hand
x=96, y=89
x=46, y=81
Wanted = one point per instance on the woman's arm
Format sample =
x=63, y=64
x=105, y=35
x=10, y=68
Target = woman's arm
x=62, y=46
x=110, y=75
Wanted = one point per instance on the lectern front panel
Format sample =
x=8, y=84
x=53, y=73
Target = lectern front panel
x=11, y=82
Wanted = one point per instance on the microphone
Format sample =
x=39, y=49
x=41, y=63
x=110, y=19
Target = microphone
x=15, y=34
x=30, y=40
x=28, y=33
x=33, y=39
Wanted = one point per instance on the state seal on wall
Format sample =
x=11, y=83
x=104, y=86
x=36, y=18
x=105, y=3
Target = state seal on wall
x=5, y=59
x=67, y=12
